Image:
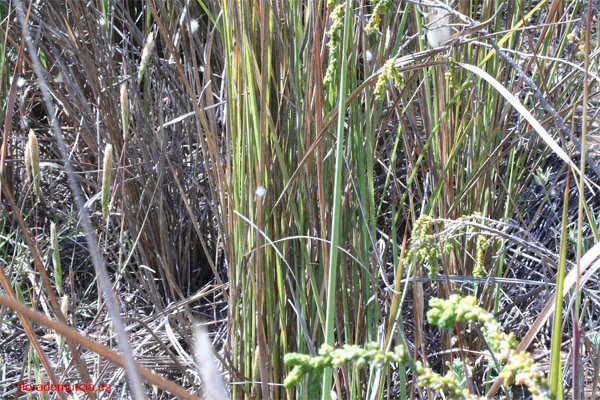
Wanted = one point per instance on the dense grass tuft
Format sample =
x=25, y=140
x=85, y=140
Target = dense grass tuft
x=299, y=176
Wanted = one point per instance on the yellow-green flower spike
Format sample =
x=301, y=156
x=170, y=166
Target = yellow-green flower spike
x=124, y=109
x=146, y=56
x=106, y=178
x=34, y=160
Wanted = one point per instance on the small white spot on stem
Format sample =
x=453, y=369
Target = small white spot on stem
x=260, y=191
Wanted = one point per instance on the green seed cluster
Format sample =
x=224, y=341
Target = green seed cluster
x=445, y=383
x=481, y=246
x=335, y=40
x=451, y=74
x=519, y=368
x=382, y=7
x=389, y=71
x=446, y=313
x=423, y=245
x=427, y=247
x=475, y=216
x=581, y=47
x=482, y=243
x=328, y=357
x=304, y=364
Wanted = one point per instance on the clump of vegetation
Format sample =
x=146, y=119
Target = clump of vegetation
x=297, y=173
x=519, y=367
x=389, y=72
x=427, y=247
x=382, y=7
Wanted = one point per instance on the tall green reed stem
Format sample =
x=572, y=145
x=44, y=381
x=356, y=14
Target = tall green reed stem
x=337, y=198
